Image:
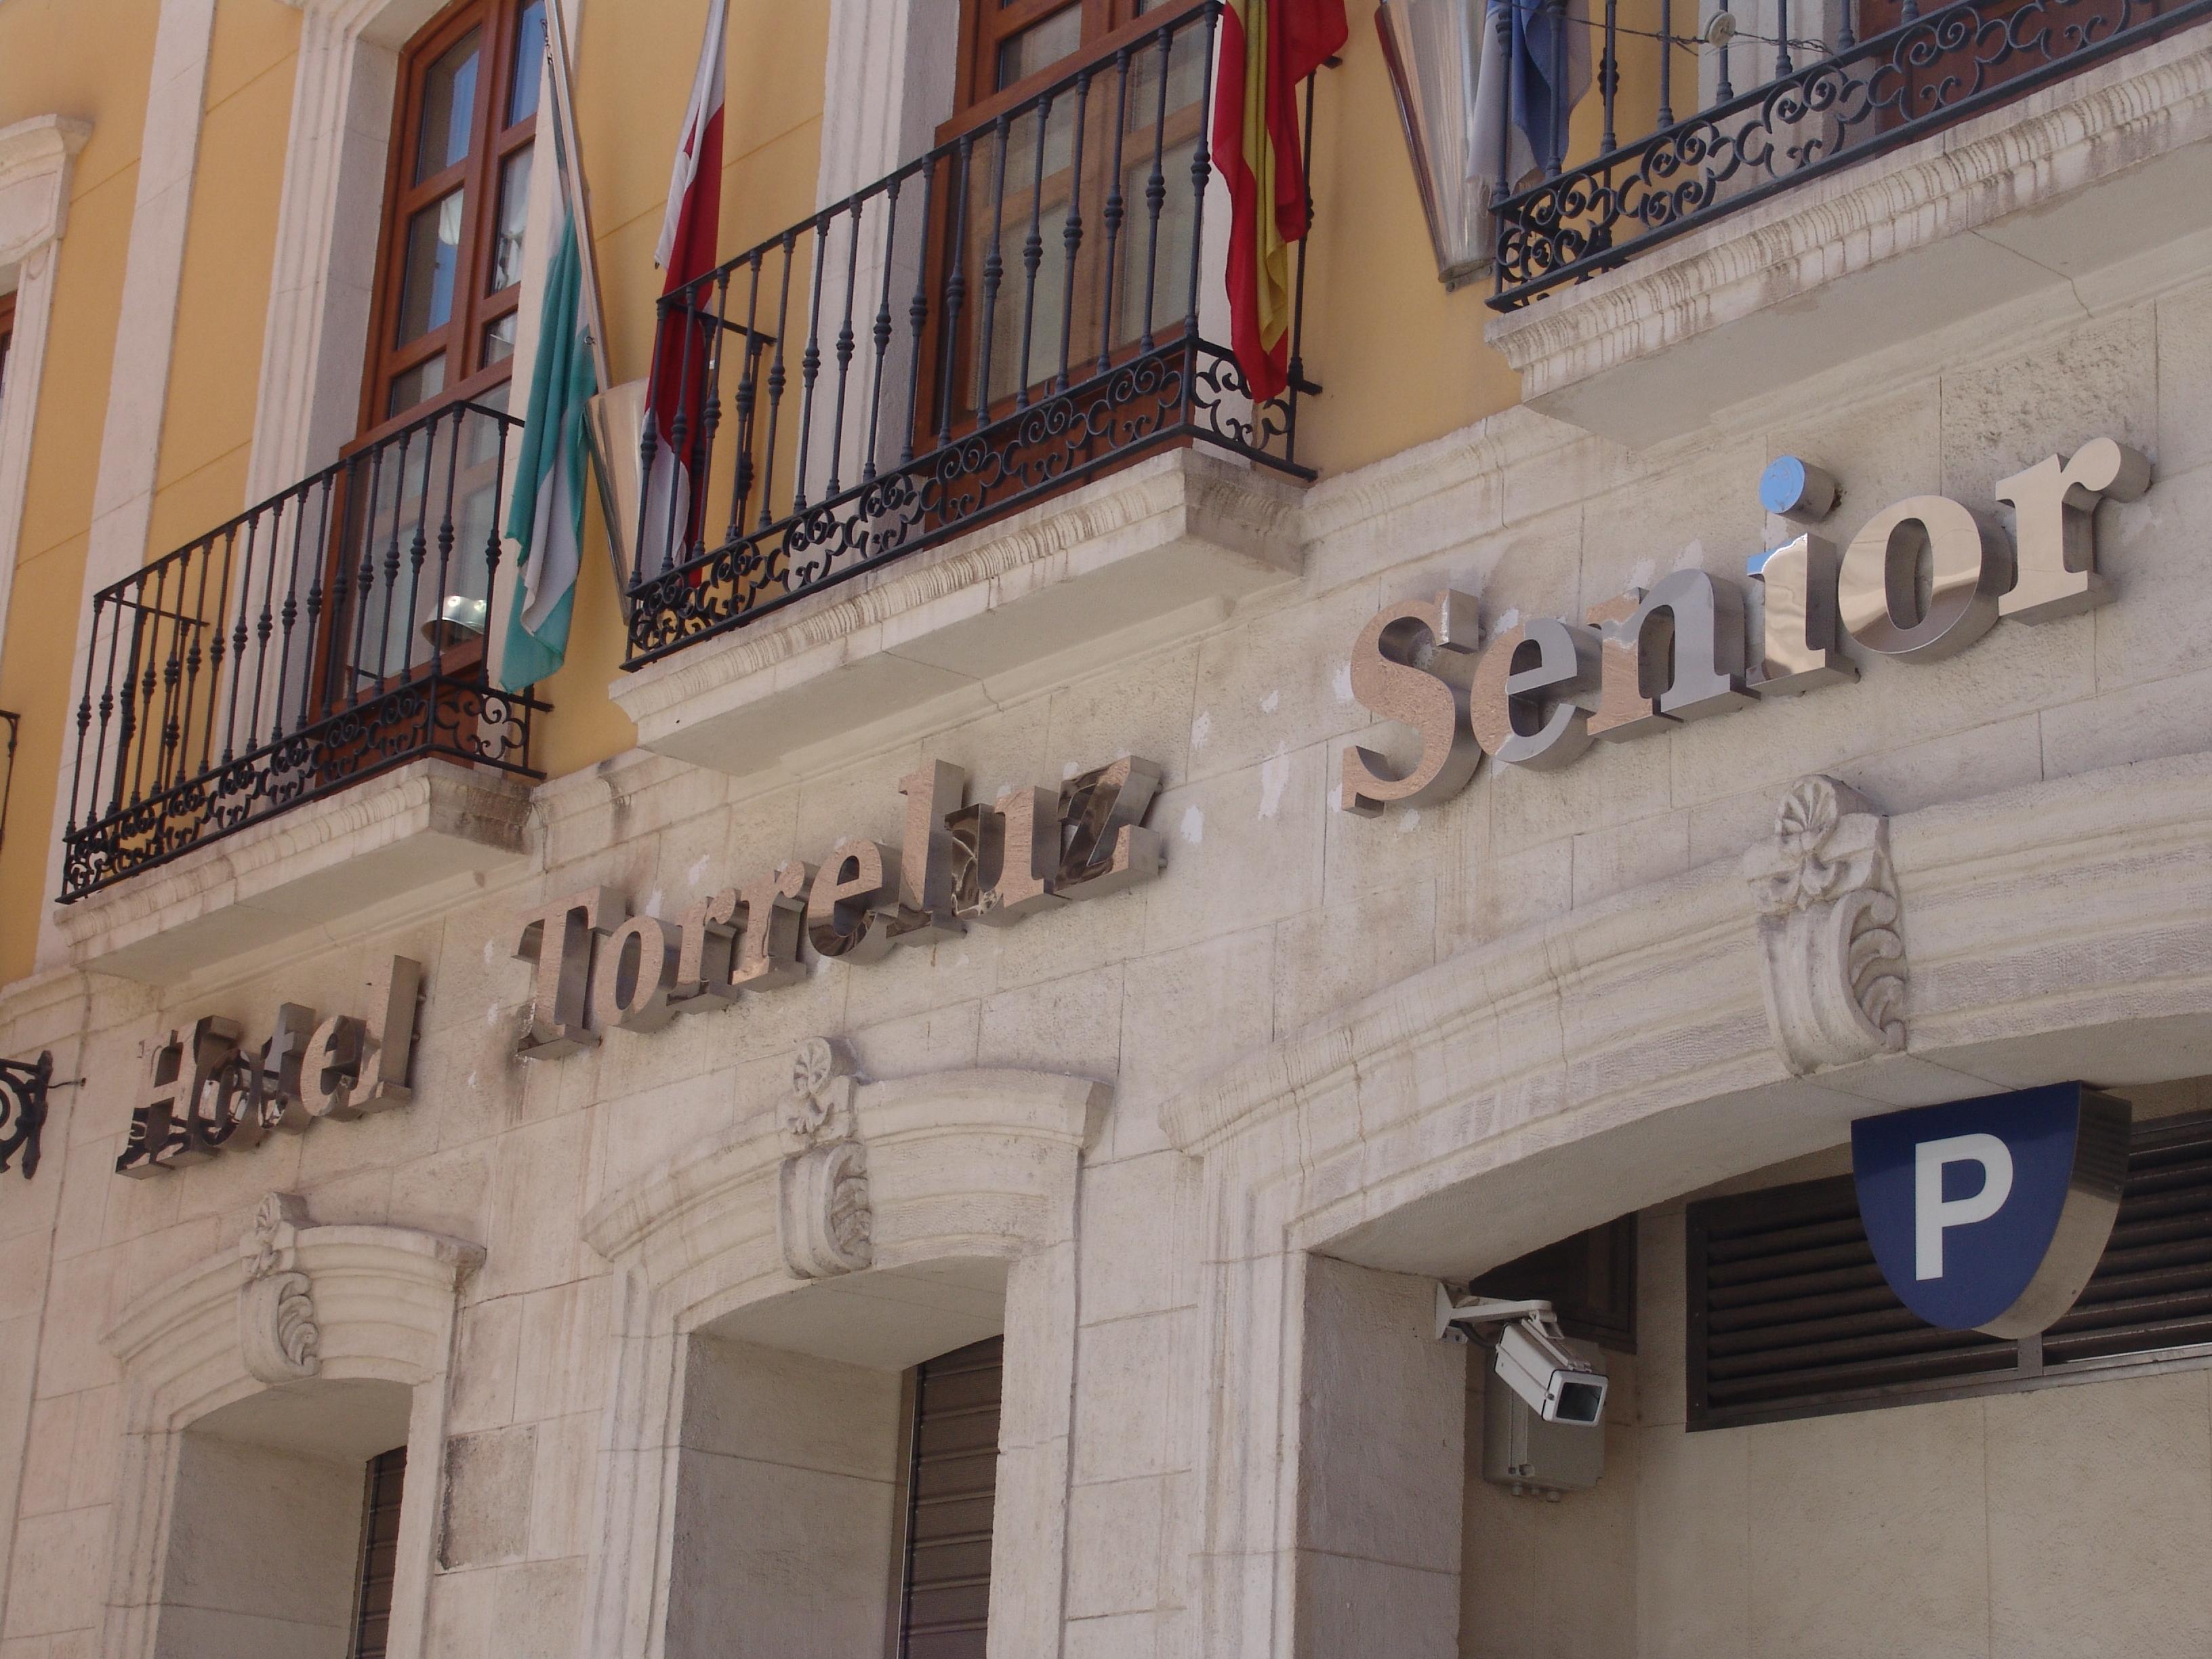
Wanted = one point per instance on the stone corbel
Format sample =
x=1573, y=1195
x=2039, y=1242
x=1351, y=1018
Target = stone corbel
x=1830, y=928
x=277, y=1333
x=824, y=1220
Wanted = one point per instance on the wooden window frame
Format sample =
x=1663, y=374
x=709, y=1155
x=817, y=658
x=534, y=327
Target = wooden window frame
x=2156, y=1146
x=978, y=102
x=985, y=25
x=491, y=142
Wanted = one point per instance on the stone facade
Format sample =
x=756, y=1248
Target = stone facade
x=1198, y=1148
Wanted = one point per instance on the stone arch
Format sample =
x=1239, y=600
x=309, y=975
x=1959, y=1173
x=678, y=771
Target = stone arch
x=1673, y=1036
x=971, y=1187
x=303, y=1335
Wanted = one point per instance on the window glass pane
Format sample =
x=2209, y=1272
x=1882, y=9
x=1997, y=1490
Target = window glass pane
x=529, y=60
x=499, y=340
x=449, y=102
x=513, y=211
x=1040, y=45
x=425, y=381
x=433, y=254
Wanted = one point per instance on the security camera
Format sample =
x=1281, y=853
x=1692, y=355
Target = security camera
x=1531, y=1355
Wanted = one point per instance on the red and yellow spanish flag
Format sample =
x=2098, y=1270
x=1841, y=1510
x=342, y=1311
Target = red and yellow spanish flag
x=1267, y=46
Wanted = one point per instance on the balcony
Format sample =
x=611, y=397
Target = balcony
x=990, y=337
x=1854, y=176
x=335, y=634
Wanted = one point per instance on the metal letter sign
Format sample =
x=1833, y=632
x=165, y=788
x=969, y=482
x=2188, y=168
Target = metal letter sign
x=1990, y=1214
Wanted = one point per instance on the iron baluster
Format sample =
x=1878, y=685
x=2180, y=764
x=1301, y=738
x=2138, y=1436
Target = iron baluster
x=1033, y=253
x=845, y=343
x=956, y=287
x=775, y=379
x=993, y=269
x=1114, y=210
x=741, y=473
x=1071, y=231
x=810, y=365
x=1156, y=188
x=881, y=333
x=917, y=318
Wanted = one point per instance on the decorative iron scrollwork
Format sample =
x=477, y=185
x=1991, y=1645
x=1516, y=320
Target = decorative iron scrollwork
x=1929, y=72
x=23, y=1089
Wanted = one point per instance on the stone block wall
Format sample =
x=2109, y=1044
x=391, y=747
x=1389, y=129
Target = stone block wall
x=1274, y=911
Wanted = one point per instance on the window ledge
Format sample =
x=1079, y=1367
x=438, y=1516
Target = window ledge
x=1156, y=552
x=1996, y=210
x=396, y=837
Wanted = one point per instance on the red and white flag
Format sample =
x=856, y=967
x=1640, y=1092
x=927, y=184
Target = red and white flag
x=688, y=233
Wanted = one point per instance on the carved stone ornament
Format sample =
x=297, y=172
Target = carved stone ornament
x=1830, y=928
x=277, y=1328
x=825, y=1219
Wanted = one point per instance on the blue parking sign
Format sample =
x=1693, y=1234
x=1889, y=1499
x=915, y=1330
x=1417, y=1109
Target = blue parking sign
x=1990, y=1214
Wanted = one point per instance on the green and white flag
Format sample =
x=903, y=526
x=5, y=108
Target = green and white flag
x=546, y=514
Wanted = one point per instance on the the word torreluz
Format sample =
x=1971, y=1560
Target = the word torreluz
x=601, y=967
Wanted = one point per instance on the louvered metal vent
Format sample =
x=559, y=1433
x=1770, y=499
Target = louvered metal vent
x=1788, y=1314
x=952, y=1487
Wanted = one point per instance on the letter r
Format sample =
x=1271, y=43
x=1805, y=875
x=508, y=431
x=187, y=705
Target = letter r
x=1932, y=1213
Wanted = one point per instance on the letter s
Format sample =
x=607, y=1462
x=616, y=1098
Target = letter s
x=1432, y=699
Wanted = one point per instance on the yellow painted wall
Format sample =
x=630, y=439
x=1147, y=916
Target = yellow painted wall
x=223, y=300
x=88, y=58
x=631, y=84
x=1403, y=361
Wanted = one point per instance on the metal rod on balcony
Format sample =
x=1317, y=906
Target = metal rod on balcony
x=1666, y=115
x=956, y=287
x=917, y=320
x=882, y=331
x=1116, y=208
x=1070, y=233
x=810, y=363
x=1201, y=169
x=702, y=495
x=775, y=378
x=1156, y=189
x=845, y=344
x=1782, y=63
x=741, y=473
x=1299, y=383
x=1608, y=64
x=995, y=266
x=1033, y=252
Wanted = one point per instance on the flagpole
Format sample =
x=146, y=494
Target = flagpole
x=571, y=181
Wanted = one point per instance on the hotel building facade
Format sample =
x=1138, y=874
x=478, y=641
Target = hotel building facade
x=914, y=1097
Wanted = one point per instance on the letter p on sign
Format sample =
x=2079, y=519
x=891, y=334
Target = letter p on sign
x=1990, y=1214
x=1932, y=1212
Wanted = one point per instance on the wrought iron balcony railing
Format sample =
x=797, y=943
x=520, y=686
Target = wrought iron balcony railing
x=1028, y=305
x=1842, y=94
x=333, y=632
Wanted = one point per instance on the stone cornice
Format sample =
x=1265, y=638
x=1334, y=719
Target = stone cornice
x=40, y=144
x=35, y=157
x=683, y=1196
x=1653, y=997
x=399, y=1278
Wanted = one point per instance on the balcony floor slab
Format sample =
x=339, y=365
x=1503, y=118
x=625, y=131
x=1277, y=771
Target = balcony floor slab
x=404, y=833
x=1158, y=551
x=2010, y=221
